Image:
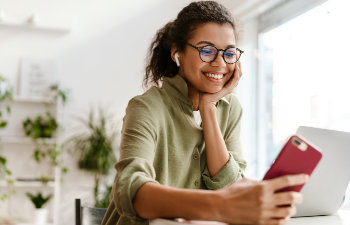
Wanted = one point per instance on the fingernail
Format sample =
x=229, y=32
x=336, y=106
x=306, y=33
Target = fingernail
x=307, y=177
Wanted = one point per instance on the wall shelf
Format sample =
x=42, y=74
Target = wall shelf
x=33, y=27
x=28, y=184
x=15, y=146
x=33, y=100
x=32, y=224
x=25, y=140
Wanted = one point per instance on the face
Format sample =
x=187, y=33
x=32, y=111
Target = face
x=203, y=76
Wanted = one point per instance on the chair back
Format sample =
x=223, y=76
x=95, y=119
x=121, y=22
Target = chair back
x=88, y=215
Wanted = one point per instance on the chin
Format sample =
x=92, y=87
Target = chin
x=212, y=90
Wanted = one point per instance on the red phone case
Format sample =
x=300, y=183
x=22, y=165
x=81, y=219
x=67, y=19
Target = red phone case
x=292, y=160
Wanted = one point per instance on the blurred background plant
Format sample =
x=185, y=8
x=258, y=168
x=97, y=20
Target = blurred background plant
x=96, y=150
x=38, y=199
x=6, y=91
x=5, y=97
x=42, y=129
x=57, y=93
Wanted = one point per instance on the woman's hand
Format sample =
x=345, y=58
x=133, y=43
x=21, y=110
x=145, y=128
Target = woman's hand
x=216, y=150
x=206, y=99
x=253, y=202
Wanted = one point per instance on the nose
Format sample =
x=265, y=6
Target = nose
x=219, y=61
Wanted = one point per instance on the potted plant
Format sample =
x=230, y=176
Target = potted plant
x=96, y=151
x=40, y=127
x=38, y=200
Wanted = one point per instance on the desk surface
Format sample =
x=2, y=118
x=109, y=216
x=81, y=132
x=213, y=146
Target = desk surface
x=341, y=218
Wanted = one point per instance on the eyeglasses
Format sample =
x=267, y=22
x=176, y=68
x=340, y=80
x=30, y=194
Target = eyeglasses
x=209, y=53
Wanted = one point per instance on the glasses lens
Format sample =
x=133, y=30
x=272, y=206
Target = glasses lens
x=208, y=53
x=231, y=55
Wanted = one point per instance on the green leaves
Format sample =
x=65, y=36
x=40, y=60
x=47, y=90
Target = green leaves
x=5, y=174
x=51, y=151
x=96, y=145
x=40, y=127
x=4, y=171
x=39, y=200
x=5, y=95
x=44, y=179
x=56, y=93
x=2, y=160
x=96, y=153
x=103, y=202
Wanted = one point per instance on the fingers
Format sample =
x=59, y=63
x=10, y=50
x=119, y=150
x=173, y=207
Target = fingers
x=287, y=181
x=276, y=221
x=287, y=198
x=279, y=215
x=283, y=212
x=234, y=80
x=238, y=73
x=240, y=67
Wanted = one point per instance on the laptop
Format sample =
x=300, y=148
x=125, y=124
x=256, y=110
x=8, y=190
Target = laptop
x=324, y=192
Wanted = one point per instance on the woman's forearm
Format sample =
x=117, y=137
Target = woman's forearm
x=243, y=202
x=216, y=151
x=159, y=201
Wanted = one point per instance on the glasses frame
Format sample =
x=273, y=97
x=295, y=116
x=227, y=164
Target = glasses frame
x=199, y=49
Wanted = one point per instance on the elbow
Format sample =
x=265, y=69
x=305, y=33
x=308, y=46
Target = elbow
x=144, y=205
x=141, y=210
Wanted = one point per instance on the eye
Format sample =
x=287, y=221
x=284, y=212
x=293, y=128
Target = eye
x=230, y=53
x=205, y=51
x=208, y=50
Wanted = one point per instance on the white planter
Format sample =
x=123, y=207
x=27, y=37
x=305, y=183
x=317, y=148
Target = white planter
x=40, y=216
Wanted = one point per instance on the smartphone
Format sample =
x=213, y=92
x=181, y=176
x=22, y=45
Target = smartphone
x=297, y=156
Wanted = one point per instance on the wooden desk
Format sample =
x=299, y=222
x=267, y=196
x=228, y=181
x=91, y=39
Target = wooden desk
x=341, y=218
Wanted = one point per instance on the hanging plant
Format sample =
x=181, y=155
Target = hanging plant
x=5, y=97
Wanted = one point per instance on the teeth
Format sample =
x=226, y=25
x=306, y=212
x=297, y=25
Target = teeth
x=215, y=76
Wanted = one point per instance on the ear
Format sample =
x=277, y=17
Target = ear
x=175, y=56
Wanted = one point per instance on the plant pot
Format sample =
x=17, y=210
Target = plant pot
x=40, y=216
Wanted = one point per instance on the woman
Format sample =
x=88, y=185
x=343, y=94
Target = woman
x=180, y=150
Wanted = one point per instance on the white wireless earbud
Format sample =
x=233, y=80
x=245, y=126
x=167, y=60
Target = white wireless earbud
x=177, y=59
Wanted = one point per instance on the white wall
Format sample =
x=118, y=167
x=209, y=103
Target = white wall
x=101, y=61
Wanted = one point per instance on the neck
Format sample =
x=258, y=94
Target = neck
x=193, y=94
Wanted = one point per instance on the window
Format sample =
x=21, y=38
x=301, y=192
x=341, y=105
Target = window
x=304, y=76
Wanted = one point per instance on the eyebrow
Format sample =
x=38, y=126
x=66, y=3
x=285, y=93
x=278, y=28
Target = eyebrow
x=209, y=43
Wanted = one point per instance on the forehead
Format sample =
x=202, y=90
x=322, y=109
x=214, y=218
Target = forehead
x=221, y=35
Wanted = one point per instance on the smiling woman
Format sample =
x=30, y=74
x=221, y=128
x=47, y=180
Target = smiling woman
x=208, y=73
x=180, y=153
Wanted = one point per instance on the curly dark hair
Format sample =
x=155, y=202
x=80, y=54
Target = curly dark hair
x=177, y=32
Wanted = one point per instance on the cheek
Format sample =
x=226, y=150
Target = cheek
x=194, y=66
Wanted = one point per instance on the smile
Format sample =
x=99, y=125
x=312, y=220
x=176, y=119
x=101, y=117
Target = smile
x=214, y=76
